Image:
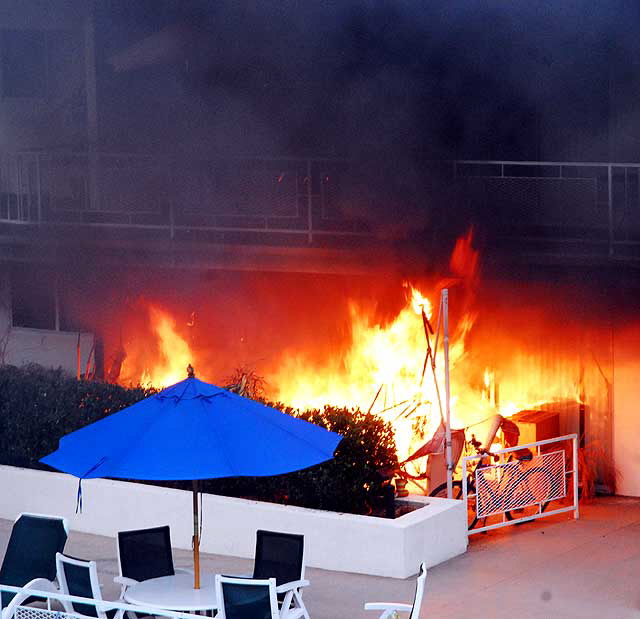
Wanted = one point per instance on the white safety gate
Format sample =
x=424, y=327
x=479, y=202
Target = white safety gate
x=522, y=484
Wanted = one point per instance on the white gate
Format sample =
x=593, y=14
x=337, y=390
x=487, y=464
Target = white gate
x=522, y=484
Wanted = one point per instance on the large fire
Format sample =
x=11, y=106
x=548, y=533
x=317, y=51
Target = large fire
x=382, y=368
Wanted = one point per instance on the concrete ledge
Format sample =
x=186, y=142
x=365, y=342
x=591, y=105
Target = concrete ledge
x=333, y=541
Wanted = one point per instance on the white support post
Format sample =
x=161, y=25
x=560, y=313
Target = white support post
x=576, y=480
x=445, y=316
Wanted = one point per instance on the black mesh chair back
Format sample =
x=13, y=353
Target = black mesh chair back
x=78, y=582
x=246, y=601
x=145, y=553
x=279, y=556
x=31, y=552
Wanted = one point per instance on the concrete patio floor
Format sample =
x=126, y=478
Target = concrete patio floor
x=556, y=567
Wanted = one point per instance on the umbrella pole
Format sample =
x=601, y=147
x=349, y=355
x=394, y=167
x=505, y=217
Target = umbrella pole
x=196, y=538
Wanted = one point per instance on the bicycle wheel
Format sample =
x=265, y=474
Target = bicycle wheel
x=530, y=489
x=441, y=491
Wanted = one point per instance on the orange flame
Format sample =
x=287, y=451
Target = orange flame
x=168, y=364
x=383, y=367
x=382, y=371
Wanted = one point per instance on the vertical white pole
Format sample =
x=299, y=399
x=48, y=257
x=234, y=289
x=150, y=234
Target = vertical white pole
x=576, y=513
x=445, y=314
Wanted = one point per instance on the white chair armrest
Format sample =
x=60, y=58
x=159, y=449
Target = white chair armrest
x=389, y=606
x=125, y=581
x=294, y=584
x=238, y=575
x=37, y=584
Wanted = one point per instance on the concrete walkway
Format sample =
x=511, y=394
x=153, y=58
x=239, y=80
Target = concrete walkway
x=553, y=568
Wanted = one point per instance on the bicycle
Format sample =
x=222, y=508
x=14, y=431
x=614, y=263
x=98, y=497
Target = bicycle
x=518, y=493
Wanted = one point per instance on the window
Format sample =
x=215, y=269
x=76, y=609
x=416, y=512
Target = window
x=23, y=63
x=33, y=297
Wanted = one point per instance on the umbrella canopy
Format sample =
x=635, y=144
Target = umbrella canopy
x=193, y=430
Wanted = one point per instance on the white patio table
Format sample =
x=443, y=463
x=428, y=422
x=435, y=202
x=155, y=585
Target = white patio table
x=174, y=593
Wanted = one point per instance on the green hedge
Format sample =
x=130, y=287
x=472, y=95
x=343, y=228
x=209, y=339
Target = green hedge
x=38, y=406
x=350, y=482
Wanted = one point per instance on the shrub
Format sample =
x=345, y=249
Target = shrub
x=39, y=406
x=350, y=482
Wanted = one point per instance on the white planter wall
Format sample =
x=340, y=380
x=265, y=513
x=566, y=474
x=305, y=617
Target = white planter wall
x=52, y=349
x=333, y=541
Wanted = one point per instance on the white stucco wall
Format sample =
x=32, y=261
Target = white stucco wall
x=333, y=541
x=54, y=349
x=626, y=406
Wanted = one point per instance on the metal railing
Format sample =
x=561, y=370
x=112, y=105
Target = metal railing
x=594, y=207
x=510, y=486
x=20, y=611
x=591, y=202
x=296, y=197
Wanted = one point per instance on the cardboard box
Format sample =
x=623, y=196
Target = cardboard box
x=536, y=425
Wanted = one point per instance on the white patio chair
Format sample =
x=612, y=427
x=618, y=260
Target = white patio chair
x=80, y=578
x=144, y=554
x=246, y=598
x=30, y=558
x=390, y=608
x=281, y=556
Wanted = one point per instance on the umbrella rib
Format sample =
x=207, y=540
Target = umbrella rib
x=130, y=446
x=221, y=451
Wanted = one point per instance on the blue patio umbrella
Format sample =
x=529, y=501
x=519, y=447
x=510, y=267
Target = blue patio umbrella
x=190, y=431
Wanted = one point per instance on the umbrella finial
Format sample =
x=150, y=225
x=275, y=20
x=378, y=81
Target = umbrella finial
x=191, y=373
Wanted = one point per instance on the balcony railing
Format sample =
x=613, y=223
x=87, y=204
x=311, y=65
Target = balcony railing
x=554, y=206
x=300, y=199
x=584, y=205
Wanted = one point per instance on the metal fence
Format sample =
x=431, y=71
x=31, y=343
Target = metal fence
x=518, y=488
